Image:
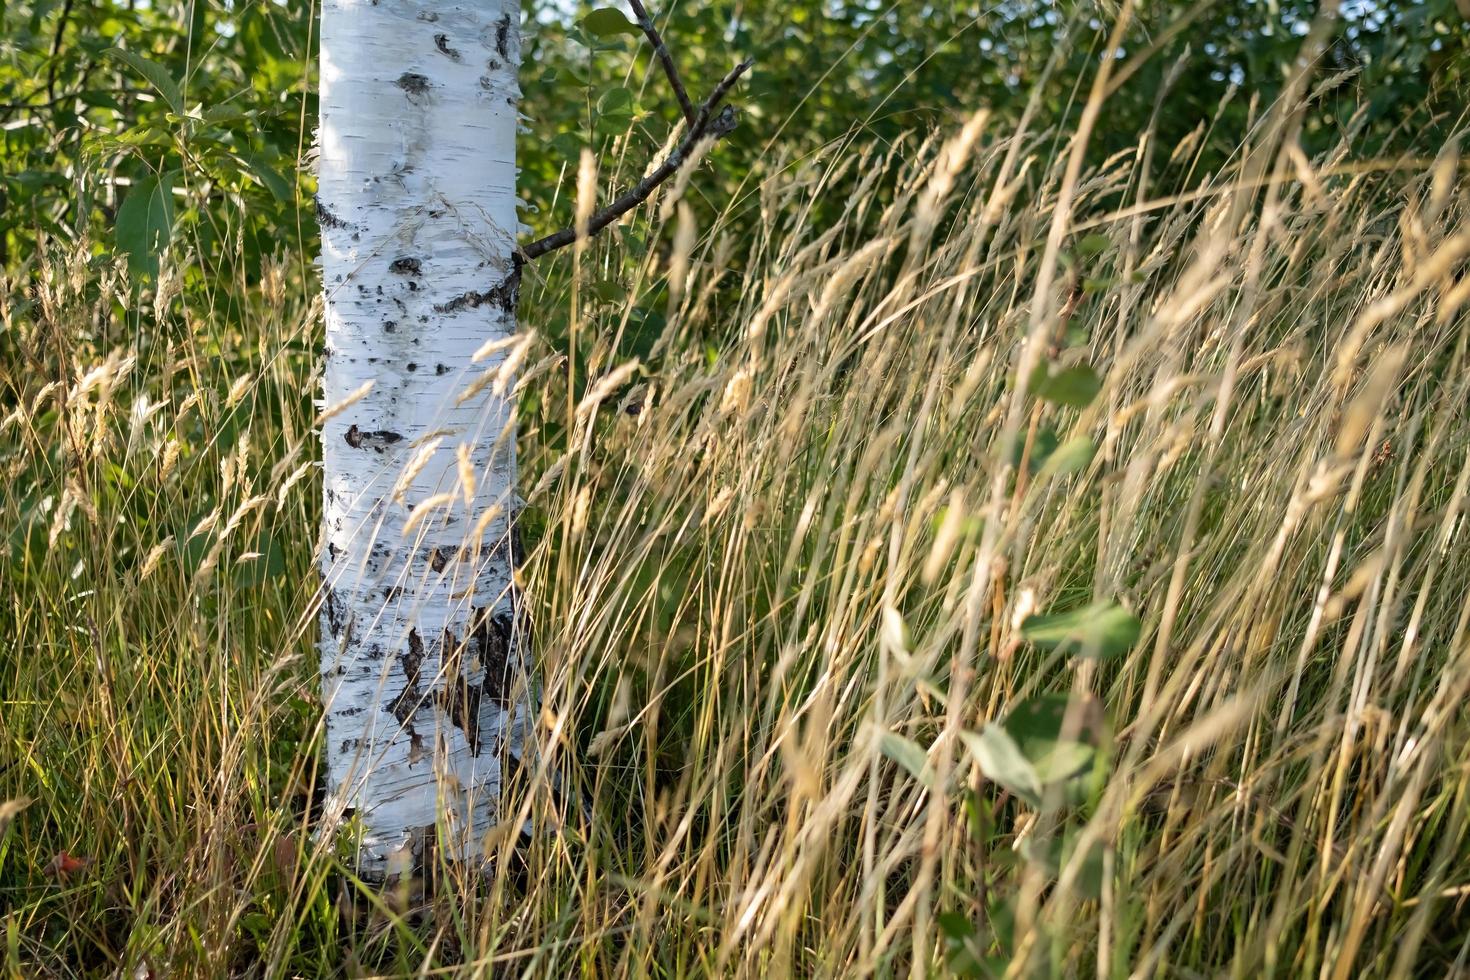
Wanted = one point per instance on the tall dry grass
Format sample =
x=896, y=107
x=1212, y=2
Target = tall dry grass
x=779, y=577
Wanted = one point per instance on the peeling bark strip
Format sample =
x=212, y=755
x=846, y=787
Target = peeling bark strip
x=504, y=296
x=326, y=218
x=495, y=642
x=421, y=657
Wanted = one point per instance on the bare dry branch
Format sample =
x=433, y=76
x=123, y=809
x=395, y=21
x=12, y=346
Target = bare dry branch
x=661, y=50
x=706, y=122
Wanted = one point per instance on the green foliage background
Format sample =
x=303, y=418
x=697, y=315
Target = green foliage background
x=124, y=123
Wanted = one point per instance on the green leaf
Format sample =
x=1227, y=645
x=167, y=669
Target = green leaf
x=226, y=112
x=1103, y=630
x=1074, y=387
x=616, y=102
x=263, y=563
x=1042, y=446
x=1003, y=762
x=907, y=753
x=965, y=950
x=567, y=146
x=1038, y=726
x=156, y=74
x=144, y=223
x=1039, y=745
x=609, y=290
x=1055, y=853
x=1071, y=456
x=608, y=22
x=956, y=925
x=280, y=188
x=1093, y=245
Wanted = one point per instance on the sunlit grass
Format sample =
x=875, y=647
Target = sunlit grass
x=792, y=549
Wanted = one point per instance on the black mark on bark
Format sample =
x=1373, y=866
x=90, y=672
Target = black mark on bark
x=406, y=266
x=406, y=702
x=458, y=698
x=376, y=441
x=333, y=612
x=492, y=639
x=403, y=706
x=325, y=217
x=414, y=84
x=438, y=559
x=441, y=41
x=517, y=547
x=414, y=659
x=504, y=296
x=502, y=37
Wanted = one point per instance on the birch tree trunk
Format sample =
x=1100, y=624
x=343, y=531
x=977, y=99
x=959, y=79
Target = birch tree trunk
x=421, y=639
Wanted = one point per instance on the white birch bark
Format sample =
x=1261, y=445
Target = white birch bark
x=421, y=642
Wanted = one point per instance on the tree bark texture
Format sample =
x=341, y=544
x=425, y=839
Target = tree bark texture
x=422, y=645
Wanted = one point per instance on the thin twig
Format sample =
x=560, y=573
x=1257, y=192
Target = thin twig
x=706, y=123
x=56, y=49
x=667, y=60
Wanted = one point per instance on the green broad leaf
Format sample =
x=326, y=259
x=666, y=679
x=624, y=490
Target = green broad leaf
x=101, y=100
x=1089, y=880
x=1058, y=747
x=1070, y=457
x=1003, y=762
x=616, y=101
x=1103, y=630
x=909, y=754
x=965, y=950
x=609, y=290
x=157, y=76
x=226, y=112
x=280, y=188
x=144, y=223
x=263, y=563
x=1075, y=386
x=1059, y=852
x=575, y=75
x=1042, y=446
x=567, y=146
x=608, y=22
x=1090, y=246
x=1048, y=741
x=956, y=925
